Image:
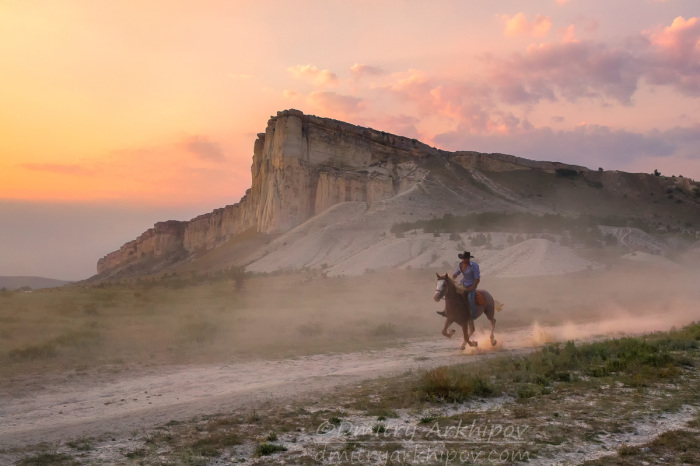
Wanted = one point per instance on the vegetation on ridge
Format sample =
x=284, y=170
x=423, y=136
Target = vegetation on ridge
x=516, y=221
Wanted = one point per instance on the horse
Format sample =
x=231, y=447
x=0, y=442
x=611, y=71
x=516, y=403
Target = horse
x=457, y=310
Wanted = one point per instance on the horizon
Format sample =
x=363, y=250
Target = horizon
x=109, y=133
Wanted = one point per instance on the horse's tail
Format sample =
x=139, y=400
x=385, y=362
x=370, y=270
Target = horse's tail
x=491, y=301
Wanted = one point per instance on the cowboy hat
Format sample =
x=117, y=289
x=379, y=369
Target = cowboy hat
x=466, y=255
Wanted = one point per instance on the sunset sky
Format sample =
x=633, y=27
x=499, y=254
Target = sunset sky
x=118, y=114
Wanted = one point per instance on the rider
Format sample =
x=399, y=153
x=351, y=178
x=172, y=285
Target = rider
x=470, y=278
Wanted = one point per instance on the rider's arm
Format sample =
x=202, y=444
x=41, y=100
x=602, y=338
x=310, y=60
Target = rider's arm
x=473, y=287
x=457, y=272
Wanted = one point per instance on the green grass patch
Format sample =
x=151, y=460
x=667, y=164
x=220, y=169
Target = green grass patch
x=47, y=459
x=265, y=449
x=453, y=384
x=637, y=362
x=213, y=445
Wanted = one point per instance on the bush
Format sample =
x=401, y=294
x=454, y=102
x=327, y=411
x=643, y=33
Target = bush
x=265, y=449
x=449, y=384
x=566, y=173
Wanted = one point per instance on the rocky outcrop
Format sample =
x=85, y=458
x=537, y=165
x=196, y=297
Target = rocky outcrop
x=302, y=165
x=504, y=162
x=163, y=239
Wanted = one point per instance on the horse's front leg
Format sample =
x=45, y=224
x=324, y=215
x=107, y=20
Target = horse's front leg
x=493, y=326
x=465, y=342
x=471, y=332
x=449, y=334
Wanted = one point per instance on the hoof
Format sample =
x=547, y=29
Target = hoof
x=461, y=348
x=493, y=342
x=473, y=343
x=442, y=313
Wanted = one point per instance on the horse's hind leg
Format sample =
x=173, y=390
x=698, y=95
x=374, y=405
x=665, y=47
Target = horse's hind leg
x=493, y=326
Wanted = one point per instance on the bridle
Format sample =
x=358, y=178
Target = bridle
x=441, y=292
x=440, y=289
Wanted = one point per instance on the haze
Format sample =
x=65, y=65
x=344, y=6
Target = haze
x=116, y=115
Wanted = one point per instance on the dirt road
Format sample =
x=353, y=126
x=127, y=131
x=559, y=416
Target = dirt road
x=48, y=409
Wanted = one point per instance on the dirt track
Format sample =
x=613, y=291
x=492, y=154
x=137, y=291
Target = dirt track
x=51, y=410
x=92, y=404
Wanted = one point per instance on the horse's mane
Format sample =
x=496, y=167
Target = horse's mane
x=450, y=281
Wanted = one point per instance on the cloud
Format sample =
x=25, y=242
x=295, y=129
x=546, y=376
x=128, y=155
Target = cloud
x=519, y=25
x=570, y=70
x=358, y=70
x=314, y=75
x=58, y=168
x=675, y=56
x=569, y=34
x=334, y=103
x=291, y=94
x=404, y=125
x=204, y=148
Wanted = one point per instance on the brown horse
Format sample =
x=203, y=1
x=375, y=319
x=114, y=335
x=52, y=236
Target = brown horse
x=457, y=310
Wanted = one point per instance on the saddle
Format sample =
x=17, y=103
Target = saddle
x=478, y=299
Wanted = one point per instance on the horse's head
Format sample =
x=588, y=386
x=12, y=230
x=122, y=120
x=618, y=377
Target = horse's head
x=441, y=286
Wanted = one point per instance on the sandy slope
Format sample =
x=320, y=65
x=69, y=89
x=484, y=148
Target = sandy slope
x=535, y=257
x=342, y=246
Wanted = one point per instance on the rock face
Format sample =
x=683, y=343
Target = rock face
x=302, y=165
x=163, y=239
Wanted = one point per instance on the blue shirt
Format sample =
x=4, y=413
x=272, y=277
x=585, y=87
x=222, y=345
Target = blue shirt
x=470, y=275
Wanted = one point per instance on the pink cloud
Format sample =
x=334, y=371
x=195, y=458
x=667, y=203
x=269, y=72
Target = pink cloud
x=570, y=34
x=291, y=94
x=335, y=104
x=358, y=70
x=675, y=58
x=519, y=25
x=405, y=125
x=571, y=70
x=314, y=75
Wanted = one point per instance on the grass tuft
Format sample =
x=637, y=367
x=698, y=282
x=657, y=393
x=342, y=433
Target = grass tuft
x=47, y=459
x=265, y=449
x=450, y=384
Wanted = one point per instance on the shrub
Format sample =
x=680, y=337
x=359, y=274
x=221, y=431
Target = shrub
x=449, y=384
x=566, y=173
x=265, y=449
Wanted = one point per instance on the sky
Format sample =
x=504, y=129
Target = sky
x=117, y=114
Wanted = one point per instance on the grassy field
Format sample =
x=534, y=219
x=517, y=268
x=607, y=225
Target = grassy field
x=177, y=320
